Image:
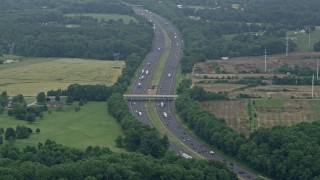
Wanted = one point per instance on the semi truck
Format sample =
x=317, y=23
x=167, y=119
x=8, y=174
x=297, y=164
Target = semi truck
x=185, y=155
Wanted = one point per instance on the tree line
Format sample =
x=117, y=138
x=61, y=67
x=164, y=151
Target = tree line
x=50, y=160
x=45, y=33
x=97, y=6
x=293, y=80
x=280, y=152
x=138, y=136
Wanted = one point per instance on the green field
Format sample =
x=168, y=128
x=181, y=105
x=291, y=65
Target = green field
x=276, y=103
x=90, y=126
x=303, y=40
x=315, y=105
x=126, y=18
x=196, y=7
x=33, y=75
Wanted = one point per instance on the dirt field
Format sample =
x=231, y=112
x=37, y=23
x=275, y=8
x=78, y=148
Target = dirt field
x=32, y=76
x=252, y=64
x=233, y=111
x=289, y=112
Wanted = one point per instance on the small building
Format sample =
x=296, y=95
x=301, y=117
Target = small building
x=225, y=58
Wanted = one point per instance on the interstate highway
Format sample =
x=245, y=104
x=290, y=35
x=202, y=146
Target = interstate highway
x=166, y=86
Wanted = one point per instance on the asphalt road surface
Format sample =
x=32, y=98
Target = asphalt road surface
x=166, y=87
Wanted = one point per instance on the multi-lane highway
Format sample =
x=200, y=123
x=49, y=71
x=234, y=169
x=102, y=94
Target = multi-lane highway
x=166, y=86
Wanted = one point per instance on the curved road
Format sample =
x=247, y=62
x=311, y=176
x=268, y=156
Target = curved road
x=166, y=86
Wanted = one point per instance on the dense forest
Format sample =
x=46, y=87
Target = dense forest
x=49, y=33
x=50, y=160
x=67, y=6
x=280, y=152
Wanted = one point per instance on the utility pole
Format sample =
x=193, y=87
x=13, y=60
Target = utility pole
x=312, y=86
x=287, y=46
x=265, y=60
x=309, y=36
x=318, y=70
x=11, y=48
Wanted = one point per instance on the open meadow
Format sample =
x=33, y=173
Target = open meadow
x=33, y=75
x=90, y=126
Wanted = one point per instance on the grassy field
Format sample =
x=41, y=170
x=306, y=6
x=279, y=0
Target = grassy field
x=33, y=75
x=276, y=103
x=90, y=126
x=197, y=7
x=303, y=40
x=126, y=19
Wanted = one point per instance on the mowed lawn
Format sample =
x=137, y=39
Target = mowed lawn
x=90, y=126
x=125, y=18
x=33, y=75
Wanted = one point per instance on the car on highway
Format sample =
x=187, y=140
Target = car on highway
x=211, y=152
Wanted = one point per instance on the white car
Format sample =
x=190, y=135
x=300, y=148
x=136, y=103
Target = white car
x=140, y=113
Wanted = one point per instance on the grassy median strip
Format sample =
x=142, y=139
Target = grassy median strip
x=163, y=59
x=152, y=114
